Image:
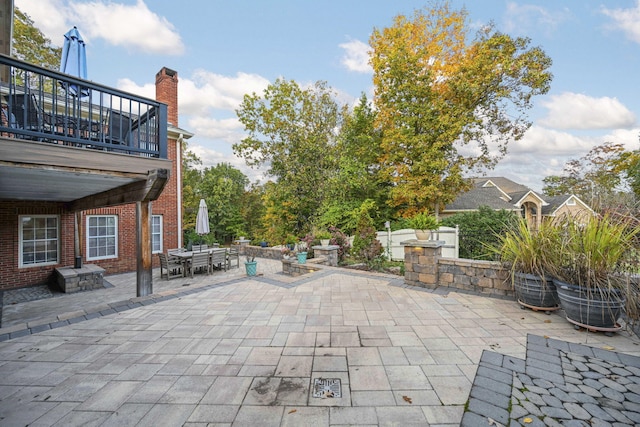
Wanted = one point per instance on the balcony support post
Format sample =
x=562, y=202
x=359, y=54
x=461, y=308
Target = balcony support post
x=144, y=272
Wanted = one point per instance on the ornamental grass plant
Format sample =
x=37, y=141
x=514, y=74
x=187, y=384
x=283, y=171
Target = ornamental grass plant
x=594, y=254
x=523, y=249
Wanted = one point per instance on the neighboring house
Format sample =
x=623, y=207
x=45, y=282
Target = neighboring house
x=74, y=183
x=501, y=193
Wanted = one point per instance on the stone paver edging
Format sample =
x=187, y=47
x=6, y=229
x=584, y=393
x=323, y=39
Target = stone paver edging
x=558, y=384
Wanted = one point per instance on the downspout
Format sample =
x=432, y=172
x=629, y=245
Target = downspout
x=179, y=187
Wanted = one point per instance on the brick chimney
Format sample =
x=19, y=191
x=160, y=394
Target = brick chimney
x=167, y=92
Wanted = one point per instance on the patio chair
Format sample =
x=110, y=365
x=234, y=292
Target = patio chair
x=175, y=250
x=199, y=260
x=7, y=119
x=218, y=259
x=26, y=113
x=233, y=255
x=172, y=267
x=198, y=248
x=118, y=128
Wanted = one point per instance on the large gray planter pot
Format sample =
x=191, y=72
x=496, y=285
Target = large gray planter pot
x=591, y=309
x=534, y=292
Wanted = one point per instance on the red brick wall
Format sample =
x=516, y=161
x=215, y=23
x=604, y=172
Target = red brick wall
x=13, y=277
x=10, y=275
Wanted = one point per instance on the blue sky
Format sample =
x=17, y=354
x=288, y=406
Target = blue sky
x=224, y=49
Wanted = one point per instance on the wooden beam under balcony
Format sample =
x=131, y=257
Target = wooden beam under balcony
x=140, y=191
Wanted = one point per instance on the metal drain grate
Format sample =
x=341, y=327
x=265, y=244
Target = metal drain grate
x=327, y=387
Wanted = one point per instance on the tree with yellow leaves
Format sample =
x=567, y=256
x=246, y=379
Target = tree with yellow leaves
x=448, y=105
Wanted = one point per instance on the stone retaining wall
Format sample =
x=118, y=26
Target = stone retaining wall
x=259, y=252
x=292, y=268
x=328, y=253
x=424, y=267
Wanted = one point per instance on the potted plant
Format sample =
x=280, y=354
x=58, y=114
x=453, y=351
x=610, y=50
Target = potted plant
x=324, y=236
x=590, y=264
x=302, y=253
x=523, y=251
x=251, y=266
x=290, y=241
x=286, y=252
x=423, y=223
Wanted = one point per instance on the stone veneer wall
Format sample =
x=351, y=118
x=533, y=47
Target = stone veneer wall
x=424, y=267
x=292, y=268
x=248, y=250
x=86, y=278
x=330, y=253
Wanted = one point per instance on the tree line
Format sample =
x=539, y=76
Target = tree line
x=439, y=92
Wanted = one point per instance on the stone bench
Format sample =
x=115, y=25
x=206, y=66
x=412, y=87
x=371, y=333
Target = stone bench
x=87, y=277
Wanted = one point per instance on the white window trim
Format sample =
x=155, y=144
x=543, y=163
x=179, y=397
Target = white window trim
x=571, y=202
x=117, y=244
x=20, y=254
x=161, y=233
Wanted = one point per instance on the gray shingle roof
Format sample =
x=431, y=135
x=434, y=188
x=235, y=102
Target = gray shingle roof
x=484, y=194
x=554, y=203
x=479, y=196
x=504, y=184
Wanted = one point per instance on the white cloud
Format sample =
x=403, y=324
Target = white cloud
x=148, y=90
x=626, y=20
x=542, y=152
x=134, y=27
x=523, y=18
x=356, y=56
x=206, y=90
x=626, y=137
x=576, y=111
x=229, y=130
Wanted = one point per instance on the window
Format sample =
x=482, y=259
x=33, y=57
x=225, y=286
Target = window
x=571, y=202
x=156, y=234
x=39, y=240
x=102, y=237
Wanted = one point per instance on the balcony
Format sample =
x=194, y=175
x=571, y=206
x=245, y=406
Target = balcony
x=47, y=106
x=65, y=139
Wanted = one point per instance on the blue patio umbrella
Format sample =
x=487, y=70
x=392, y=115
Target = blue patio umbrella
x=74, y=60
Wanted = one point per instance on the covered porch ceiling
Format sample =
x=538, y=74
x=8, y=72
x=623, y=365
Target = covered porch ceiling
x=82, y=178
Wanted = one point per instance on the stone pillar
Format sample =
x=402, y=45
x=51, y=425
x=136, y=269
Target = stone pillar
x=330, y=252
x=421, y=262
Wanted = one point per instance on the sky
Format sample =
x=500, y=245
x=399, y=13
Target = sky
x=224, y=49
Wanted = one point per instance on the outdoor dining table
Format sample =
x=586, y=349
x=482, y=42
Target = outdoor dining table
x=186, y=256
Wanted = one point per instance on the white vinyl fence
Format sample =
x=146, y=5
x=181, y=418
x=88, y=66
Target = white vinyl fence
x=391, y=241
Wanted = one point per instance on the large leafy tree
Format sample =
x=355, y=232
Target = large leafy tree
x=597, y=177
x=223, y=188
x=292, y=131
x=447, y=104
x=358, y=178
x=629, y=166
x=191, y=192
x=31, y=45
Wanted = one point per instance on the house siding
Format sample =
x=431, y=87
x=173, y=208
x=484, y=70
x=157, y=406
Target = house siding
x=167, y=205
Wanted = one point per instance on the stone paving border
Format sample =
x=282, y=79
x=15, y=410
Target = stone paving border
x=559, y=383
x=65, y=319
x=24, y=329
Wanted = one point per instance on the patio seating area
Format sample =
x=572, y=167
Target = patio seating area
x=335, y=347
x=201, y=259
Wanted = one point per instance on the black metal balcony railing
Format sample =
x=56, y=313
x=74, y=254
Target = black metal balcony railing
x=48, y=106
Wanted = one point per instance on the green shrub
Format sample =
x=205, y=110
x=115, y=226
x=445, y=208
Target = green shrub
x=480, y=230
